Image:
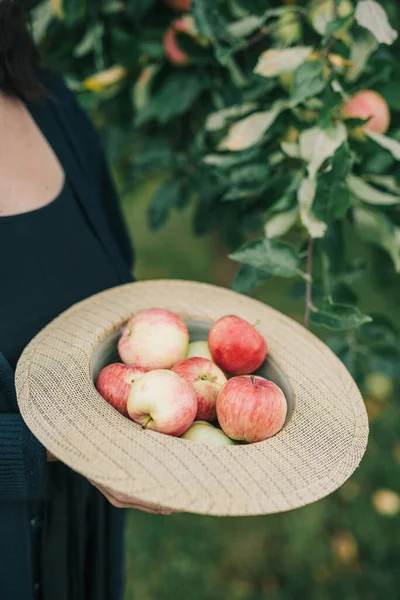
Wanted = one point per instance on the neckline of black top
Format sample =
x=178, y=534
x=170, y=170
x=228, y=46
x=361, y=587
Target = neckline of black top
x=37, y=212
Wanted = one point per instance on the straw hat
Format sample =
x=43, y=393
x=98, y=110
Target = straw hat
x=320, y=446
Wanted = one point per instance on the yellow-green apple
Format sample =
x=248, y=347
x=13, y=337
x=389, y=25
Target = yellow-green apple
x=201, y=431
x=236, y=346
x=180, y=5
x=207, y=379
x=198, y=349
x=368, y=104
x=162, y=401
x=153, y=338
x=251, y=409
x=114, y=383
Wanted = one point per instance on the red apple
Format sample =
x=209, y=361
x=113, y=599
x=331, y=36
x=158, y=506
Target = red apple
x=162, y=401
x=180, y=5
x=251, y=409
x=114, y=383
x=173, y=51
x=154, y=338
x=204, y=432
x=368, y=103
x=236, y=346
x=207, y=379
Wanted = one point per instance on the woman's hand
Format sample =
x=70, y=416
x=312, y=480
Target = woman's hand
x=121, y=501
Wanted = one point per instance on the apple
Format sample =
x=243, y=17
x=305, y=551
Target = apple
x=236, y=346
x=201, y=431
x=173, y=51
x=368, y=103
x=154, y=338
x=162, y=401
x=180, y=5
x=199, y=349
x=114, y=383
x=207, y=379
x=251, y=409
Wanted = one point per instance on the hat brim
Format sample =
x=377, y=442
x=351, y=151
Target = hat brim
x=321, y=445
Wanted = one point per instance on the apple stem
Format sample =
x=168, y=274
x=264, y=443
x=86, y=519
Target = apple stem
x=257, y=323
x=252, y=379
x=145, y=424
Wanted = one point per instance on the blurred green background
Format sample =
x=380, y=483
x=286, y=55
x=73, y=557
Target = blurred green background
x=345, y=546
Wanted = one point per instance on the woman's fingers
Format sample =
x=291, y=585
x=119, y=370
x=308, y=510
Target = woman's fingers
x=122, y=501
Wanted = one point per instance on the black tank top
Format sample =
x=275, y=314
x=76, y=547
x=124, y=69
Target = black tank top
x=51, y=258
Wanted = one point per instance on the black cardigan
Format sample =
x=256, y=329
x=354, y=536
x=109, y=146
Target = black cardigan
x=74, y=141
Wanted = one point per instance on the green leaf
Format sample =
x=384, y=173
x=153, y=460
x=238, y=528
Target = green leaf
x=385, y=181
x=243, y=28
x=376, y=228
x=332, y=199
x=209, y=21
x=174, y=98
x=316, y=145
x=372, y=16
x=155, y=154
x=381, y=332
x=305, y=197
x=89, y=41
x=74, y=11
x=308, y=81
x=42, y=15
x=231, y=159
x=247, y=180
x=390, y=91
x=138, y=8
x=250, y=131
x=393, y=146
x=274, y=62
x=247, y=278
x=363, y=46
x=365, y=192
x=167, y=197
x=338, y=316
x=280, y=223
x=271, y=256
x=336, y=26
x=220, y=119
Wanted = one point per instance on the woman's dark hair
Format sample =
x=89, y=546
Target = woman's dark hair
x=18, y=56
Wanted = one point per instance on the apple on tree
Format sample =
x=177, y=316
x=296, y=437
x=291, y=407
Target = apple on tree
x=154, y=338
x=207, y=379
x=114, y=383
x=204, y=432
x=368, y=104
x=162, y=401
x=251, y=409
x=236, y=346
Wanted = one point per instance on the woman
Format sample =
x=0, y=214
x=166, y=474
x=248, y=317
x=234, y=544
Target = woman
x=62, y=239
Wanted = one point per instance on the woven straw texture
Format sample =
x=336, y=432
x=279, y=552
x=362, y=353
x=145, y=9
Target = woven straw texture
x=313, y=455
